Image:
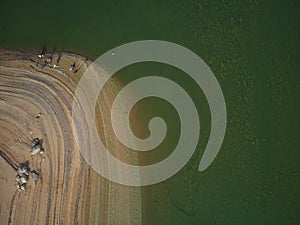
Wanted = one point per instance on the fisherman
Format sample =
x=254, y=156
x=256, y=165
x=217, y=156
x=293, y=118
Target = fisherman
x=41, y=55
x=72, y=67
x=44, y=64
x=57, y=60
x=49, y=59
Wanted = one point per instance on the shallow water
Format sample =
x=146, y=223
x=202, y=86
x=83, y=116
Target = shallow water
x=253, y=49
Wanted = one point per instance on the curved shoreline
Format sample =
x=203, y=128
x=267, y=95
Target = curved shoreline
x=69, y=192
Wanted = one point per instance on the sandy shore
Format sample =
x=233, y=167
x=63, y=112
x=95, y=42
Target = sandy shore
x=35, y=101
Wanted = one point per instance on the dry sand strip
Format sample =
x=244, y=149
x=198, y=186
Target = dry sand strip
x=36, y=101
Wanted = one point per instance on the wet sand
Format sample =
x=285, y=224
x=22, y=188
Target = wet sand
x=36, y=102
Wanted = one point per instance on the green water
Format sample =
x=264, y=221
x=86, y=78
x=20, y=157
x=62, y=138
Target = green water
x=253, y=49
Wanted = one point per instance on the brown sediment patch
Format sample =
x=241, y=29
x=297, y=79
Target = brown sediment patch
x=69, y=191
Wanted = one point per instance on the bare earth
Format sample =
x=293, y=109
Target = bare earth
x=69, y=191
